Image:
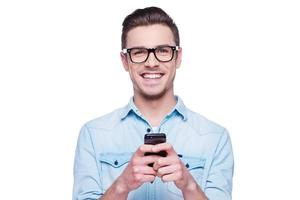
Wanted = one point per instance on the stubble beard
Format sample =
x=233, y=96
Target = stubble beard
x=156, y=96
x=150, y=97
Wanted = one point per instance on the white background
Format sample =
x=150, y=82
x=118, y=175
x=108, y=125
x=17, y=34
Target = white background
x=60, y=67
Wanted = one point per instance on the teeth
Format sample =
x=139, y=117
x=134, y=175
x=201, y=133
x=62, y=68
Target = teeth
x=151, y=76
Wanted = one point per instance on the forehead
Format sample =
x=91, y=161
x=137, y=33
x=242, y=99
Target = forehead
x=150, y=36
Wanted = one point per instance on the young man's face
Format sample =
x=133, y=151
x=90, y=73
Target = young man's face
x=151, y=79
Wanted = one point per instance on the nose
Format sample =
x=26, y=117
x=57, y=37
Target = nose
x=151, y=61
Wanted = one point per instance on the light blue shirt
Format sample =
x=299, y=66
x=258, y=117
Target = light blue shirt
x=106, y=145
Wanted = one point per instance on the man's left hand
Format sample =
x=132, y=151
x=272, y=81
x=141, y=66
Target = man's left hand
x=171, y=168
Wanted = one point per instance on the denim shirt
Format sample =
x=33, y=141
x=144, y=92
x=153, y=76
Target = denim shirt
x=106, y=145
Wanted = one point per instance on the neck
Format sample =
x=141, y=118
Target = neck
x=154, y=110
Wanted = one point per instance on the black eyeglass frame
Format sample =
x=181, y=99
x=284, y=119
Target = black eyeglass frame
x=174, y=48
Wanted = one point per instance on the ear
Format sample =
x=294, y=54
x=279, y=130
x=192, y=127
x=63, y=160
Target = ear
x=179, y=57
x=124, y=61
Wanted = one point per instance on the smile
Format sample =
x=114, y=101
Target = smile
x=152, y=75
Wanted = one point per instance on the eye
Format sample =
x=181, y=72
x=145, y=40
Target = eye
x=139, y=51
x=163, y=50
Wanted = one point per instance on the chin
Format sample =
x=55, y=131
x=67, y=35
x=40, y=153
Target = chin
x=153, y=96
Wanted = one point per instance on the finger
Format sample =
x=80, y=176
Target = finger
x=144, y=160
x=168, y=170
x=144, y=178
x=143, y=149
x=166, y=161
x=171, y=177
x=164, y=147
x=144, y=169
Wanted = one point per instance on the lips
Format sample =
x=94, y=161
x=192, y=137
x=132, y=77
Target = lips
x=152, y=75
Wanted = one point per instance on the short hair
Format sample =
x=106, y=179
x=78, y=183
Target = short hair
x=145, y=17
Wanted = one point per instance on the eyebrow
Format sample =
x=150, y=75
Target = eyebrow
x=161, y=45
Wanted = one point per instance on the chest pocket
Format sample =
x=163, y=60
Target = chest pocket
x=111, y=166
x=195, y=165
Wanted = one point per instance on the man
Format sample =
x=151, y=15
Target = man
x=110, y=161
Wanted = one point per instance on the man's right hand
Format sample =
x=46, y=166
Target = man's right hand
x=137, y=171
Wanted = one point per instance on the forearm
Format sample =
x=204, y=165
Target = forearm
x=115, y=191
x=193, y=192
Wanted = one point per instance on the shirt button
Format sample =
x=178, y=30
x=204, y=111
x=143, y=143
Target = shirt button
x=148, y=130
x=187, y=165
x=116, y=162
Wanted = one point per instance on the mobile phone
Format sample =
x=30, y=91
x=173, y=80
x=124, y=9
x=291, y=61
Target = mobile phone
x=155, y=138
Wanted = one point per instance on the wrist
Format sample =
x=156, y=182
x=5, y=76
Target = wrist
x=121, y=188
x=193, y=191
x=190, y=187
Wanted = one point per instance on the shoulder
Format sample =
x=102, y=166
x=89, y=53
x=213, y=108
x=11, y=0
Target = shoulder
x=203, y=125
x=107, y=121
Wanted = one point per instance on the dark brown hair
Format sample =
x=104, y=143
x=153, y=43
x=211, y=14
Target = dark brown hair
x=145, y=17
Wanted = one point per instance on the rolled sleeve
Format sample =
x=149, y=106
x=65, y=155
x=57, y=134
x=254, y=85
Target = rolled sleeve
x=219, y=181
x=86, y=176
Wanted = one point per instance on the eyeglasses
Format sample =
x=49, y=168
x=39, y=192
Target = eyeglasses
x=161, y=53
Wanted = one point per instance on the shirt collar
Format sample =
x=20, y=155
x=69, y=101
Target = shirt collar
x=130, y=107
x=179, y=108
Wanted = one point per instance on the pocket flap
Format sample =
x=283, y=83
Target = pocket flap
x=115, y=159
x=193, y=162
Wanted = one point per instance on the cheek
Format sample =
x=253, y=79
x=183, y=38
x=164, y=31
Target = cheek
x=133, y=73
x=172, y=71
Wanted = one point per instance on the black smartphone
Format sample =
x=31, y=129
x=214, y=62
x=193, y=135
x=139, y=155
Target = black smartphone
x=155, y=138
